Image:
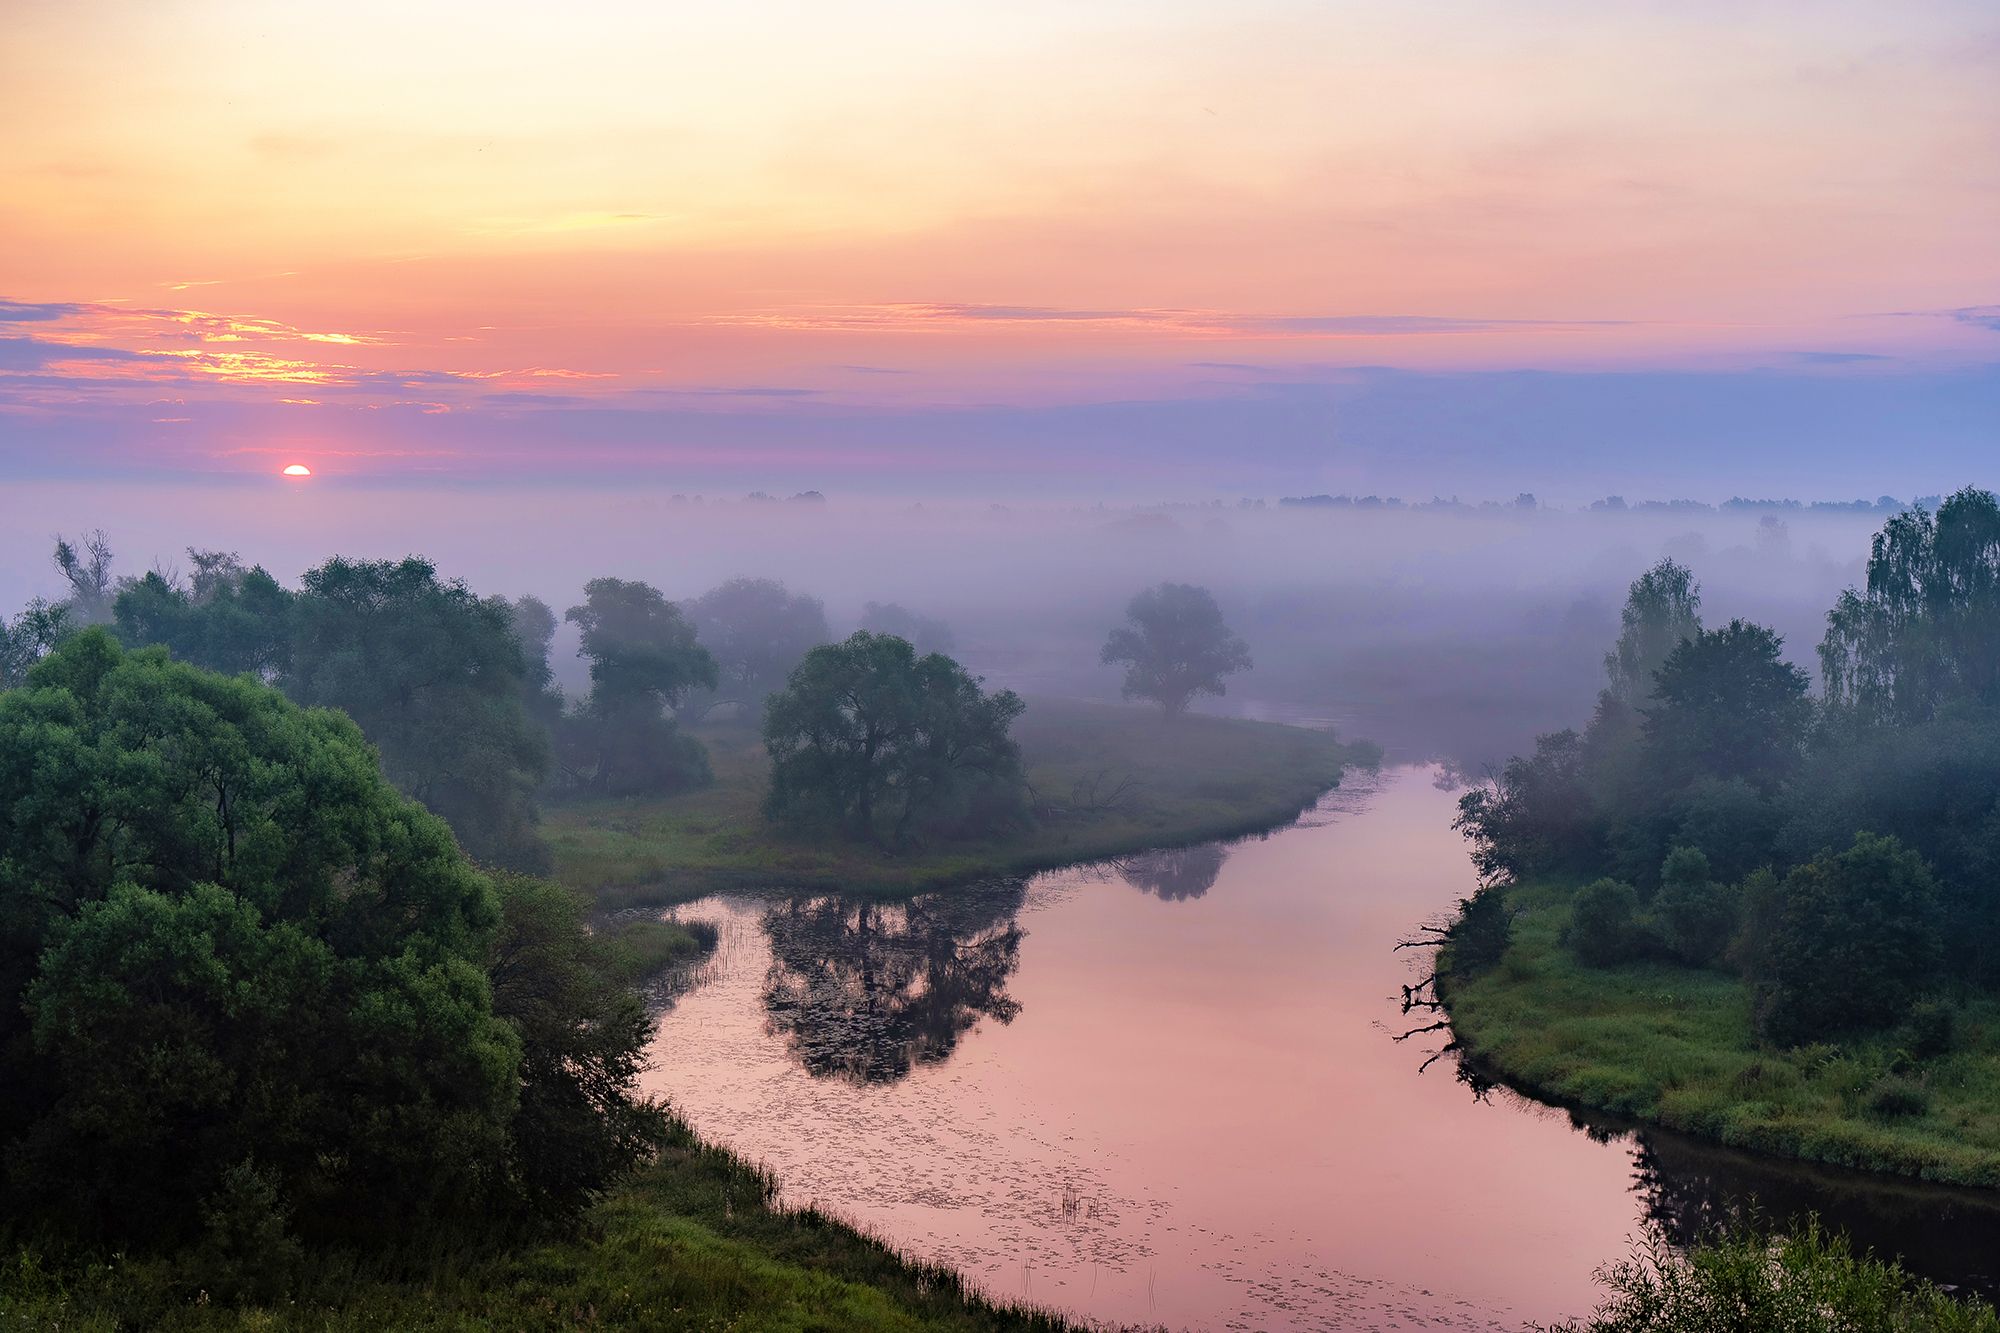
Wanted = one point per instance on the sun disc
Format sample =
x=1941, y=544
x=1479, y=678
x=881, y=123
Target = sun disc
x=297, y=470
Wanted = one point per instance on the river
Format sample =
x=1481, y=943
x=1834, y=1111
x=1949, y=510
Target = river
x=1167, y=1092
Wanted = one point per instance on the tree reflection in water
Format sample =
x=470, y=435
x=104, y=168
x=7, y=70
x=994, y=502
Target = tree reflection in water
x=869, y=990
x=1176, y=873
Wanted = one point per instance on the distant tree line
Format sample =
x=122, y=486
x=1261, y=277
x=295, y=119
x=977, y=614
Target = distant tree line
x=1841, y=850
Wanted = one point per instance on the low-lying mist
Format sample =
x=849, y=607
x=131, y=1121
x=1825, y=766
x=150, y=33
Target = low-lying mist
x=1442, y=634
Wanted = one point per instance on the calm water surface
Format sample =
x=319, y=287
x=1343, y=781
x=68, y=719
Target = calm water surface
x=1166, y=1092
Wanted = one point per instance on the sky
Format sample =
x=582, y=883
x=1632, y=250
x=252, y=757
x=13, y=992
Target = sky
x=1092, y=248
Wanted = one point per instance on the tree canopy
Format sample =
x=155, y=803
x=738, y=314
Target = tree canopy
x=869, y=739
x=644, y=661
x=234, y=962
x=1727, y=705
x=436, y=679
x=1175, y=647
x=1662, y=608
x=757, y=630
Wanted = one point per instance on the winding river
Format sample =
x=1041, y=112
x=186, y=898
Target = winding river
x=1168, y=1092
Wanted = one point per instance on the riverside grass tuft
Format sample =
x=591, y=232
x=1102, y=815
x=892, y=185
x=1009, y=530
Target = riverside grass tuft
x=1674, y=1046
x=1188, y=779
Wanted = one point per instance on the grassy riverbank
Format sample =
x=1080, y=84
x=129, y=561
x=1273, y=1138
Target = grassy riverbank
x=689, y=1244
x=1674, y=1046
x=1113, y=780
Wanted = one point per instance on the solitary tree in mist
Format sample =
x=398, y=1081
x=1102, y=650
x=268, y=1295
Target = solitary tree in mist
x=1662, y=608
x=644, y=661
x=1175, y=647
x=757, y=630
x=872, y=740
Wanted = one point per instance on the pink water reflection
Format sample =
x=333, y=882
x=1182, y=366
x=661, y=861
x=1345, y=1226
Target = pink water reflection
x=1197, y=1117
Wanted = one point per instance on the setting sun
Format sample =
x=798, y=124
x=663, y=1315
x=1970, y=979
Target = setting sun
x=297, y=470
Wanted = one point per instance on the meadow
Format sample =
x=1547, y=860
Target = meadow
x=1107, y=781
x=1674, y=1046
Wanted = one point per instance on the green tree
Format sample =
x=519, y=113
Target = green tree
x=87, y=570
x=436, y=679
x=757, y=630
x=884, y=745
x=245, y=985
x=1925, y=629
x=927, y=634
x=223, y=937
x=31, y=637
x=1175, y=647
x=230, y=619
x=644, y=662
x=1662, y=608
x=1727, y=705
x=1858, y=936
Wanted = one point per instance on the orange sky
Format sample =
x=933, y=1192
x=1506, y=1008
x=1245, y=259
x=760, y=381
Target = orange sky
x=893, y=206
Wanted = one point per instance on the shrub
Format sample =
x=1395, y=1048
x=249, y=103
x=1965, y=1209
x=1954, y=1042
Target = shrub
x=1697, y=916
x=1858, y=935
x=1482, y=932
x=1893, y=1097
x=1931, y=1029
x=1604, y=926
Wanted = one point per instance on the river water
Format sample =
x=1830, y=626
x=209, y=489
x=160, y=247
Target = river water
x=1167, y=1092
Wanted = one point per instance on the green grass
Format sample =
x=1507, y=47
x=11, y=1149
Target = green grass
x=689, y=1244
x=1674, y=1046
x=1192, y=779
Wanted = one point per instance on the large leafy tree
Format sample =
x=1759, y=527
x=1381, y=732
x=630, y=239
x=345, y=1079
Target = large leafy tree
x=31, y=636
x=436, y=678
x=236, y=965
x=1924, y=631
x=1175, y=647
x=871, y=739
x=757, y=630
x=644, y=662
x=223, y=939
x=1727, y=705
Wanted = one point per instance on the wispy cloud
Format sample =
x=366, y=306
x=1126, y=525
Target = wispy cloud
x=914, y=316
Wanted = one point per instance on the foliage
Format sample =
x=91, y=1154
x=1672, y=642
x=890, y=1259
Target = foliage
x=32, y=636
x=1729, y=821
x=583, y=1034
x=1662, y=608
x=534, y=625
x=644, y=661
x=1480, y=935
x=231, y=619
x=1604, y=924
x=248, y=992
x=1859, y=935
x=435, y=678
x=1925, y=630
x=225, y=939
x=1175, y=647
x=1697, y=916
x=757, y=630
x=1808, y=1282
x=1534, y=817
x=883, y=745
x=1727, y=705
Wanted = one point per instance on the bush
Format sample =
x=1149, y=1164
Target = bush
x=1731, y=822
x=1482, y=932
x=1604, y=924
x=1931, y=1029
x=1858, y=935
x=1697, y=916
x=1894, y=1097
